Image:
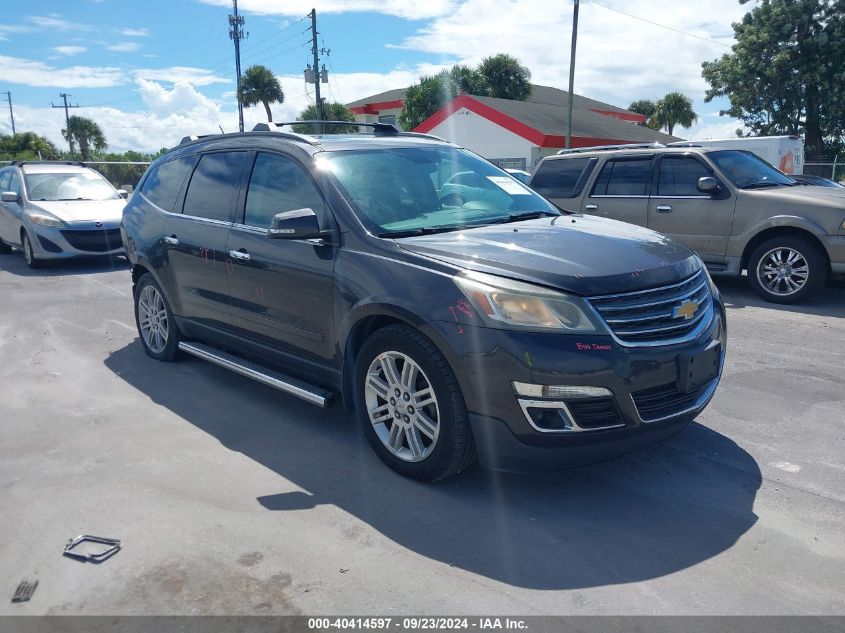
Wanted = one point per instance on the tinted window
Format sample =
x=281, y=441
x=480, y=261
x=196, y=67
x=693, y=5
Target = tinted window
x=15, y=184
x=679, y=176
x=560, y=178
x=623, y=178
x=747, y=170
x=164, y=181
x=278, y=184
x=4, y=180
x=214, y=186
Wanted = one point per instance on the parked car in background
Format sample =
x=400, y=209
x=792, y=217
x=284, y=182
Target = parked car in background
x=458, y=313
x=57, y=210
x=733, y=208
x=816, y=181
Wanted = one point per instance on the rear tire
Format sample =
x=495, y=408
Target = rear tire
x=28, y=253
x=410, y=405
x=787, y=269
x=159, y=335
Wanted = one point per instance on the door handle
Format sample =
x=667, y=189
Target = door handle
x=239, y=255
x=171, y=239
x=591, y=207
x=664, y=208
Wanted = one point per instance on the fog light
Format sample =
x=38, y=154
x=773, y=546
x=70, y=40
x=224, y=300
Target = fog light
x=549, y=419
x=558, y=391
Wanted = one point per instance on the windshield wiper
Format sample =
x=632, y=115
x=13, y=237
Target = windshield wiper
x=525, y=215
x=74, y=199
x=427, y=230
x=765, y=183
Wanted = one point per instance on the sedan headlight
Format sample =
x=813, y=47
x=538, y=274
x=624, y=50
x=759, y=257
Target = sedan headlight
x=503, y=301
x=45, y=219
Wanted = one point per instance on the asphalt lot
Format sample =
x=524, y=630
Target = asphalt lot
x=233, y=498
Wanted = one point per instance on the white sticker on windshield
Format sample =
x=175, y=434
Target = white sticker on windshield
x=510, y=185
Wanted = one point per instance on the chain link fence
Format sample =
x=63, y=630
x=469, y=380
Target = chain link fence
x=833, y=168
x=123, y=175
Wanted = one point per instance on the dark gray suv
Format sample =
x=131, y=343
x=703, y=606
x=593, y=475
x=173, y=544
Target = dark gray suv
x=457, y=312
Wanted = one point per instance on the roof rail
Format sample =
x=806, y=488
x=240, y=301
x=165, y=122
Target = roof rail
x=379, y=129
x=684, y=144
x=194, y=137
x=48, y=162
x=608, y=148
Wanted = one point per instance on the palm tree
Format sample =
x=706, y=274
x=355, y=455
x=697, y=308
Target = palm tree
x=333, y=112
x=259, y=85
x=85, y=132
x=506, y=76
x=674, y=109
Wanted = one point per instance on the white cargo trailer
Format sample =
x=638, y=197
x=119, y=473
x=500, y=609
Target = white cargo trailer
x=784, y=152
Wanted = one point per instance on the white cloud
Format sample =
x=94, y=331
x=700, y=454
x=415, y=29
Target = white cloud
x=55, y=22
x=69, y=50
x=145, y=32
x=9, y=29
x=124, y=47
x=34, y=73
x=181, y=74
x=410, y=9
x=706, y=131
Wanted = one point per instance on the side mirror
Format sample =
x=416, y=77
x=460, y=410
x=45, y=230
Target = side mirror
x=123, y=193
x=708, y=184
x=299, y=224
x=10, y=196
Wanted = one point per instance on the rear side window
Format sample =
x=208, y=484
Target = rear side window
x=214, y=186
x=562, y=178
x=627, y=177
x=679, y=176
x=163, y=183
x=278, y=184
x=5, y=177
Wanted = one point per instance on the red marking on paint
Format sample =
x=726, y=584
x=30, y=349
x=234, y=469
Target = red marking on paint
x=230, y=267
x=464, y=307
x=460, y=330
x=259, y=292
x=593, y=347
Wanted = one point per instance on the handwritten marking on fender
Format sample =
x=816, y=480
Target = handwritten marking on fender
x=464, y=308
x=593, y=347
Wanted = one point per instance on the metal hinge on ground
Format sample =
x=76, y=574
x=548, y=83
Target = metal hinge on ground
x=98, y=556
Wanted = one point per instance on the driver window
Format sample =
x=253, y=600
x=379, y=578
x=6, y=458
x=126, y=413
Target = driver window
x=15, y=184
x=278, y=184
x=679, y=176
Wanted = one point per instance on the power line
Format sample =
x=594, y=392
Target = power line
x=254, y=53
x=64, y=96
x=662, y=26
x=282, y=30
x=11, y=111
x=292, y=48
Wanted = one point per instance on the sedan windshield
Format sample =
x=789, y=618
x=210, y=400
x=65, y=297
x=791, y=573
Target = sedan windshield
x=748, y=171
x=84, y=185
x=410, y=190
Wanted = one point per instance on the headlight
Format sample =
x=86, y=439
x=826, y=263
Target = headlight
x=45, y=219
x=503, y=301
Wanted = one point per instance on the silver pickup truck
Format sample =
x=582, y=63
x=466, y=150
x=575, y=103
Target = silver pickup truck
x=731, y=207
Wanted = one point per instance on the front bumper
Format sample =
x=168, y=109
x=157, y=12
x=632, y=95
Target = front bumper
x=835, y=247
x=76, y=239
x=487, y=361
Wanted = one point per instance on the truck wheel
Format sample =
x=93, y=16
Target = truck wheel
x=410, y=405
x=156, y=326
x=787, y=269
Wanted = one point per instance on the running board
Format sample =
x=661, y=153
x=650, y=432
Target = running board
x=303, y=390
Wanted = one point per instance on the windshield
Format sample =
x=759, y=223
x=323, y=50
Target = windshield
x=78, y=185
x=408, y=189
x=747, y=170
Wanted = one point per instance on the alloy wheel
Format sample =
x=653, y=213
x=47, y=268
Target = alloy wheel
x=152, y=319
x=783, y=271
x=402, y=406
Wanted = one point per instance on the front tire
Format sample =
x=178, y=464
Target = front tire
x=410, y=405
x=156, y=326
x=787, y=269
x=28, y=254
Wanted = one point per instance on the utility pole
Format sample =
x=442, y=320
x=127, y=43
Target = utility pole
x=320, y=114
x=11, y=111
x=236, y=34
x=64, y=96
x=572, y=75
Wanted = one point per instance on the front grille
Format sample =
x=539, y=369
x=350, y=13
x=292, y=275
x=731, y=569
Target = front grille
x=96, y=241
x=592, y=413
x=665, y=400
x=647, y=317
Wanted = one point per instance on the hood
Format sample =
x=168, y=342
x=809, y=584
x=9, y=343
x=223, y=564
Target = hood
x=818, y=196
x=585, y=255
x=83, y=210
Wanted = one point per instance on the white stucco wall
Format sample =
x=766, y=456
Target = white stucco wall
x=484, y=137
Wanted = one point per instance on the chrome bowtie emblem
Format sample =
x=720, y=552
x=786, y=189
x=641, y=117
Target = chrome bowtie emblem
x=685, y=310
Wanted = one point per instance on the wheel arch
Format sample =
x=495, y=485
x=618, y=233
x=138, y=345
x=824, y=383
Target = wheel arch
x=782, y=231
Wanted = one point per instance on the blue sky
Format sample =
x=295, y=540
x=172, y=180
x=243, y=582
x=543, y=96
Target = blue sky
x=151, y=71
